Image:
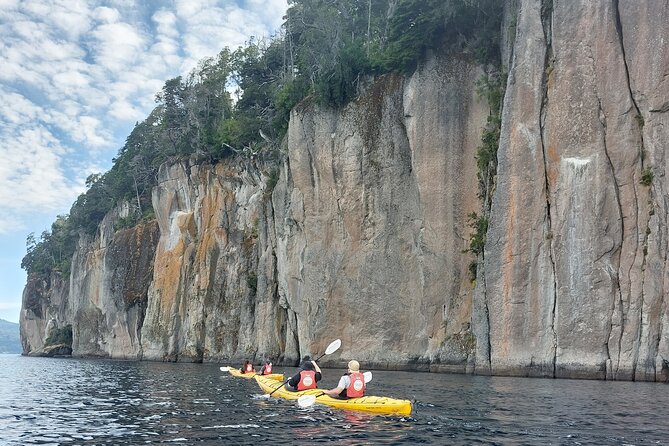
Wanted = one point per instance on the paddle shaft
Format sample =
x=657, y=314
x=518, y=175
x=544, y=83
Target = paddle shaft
x=284, y=383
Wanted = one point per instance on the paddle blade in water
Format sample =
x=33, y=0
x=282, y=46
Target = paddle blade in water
x=225, y=369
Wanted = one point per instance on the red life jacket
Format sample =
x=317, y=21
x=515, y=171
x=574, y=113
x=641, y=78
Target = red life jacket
x=268, y=368
x=249, y=368
x=307, y=380
x=357, y=386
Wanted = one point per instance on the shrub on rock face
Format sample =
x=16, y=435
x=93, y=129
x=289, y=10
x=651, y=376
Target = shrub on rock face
x=60, y=336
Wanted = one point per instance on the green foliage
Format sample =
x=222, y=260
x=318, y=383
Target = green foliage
x=60, y=336
x=148, y=215
x=479, y=223
x=289, y=94
x=332, y=44
x=415, y=27
x=53, y=251
x=125, y=222
x=647, y=176
x=491, y=88
x=419, y=26
x=339, y=84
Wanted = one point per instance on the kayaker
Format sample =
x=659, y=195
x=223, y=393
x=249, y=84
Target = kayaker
x=306, y=378
x=266, y=369
x=247, y=367
x=351, y=385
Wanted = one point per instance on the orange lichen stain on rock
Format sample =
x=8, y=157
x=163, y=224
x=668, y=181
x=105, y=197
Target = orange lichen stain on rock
x=167, y=274
x=553, y=155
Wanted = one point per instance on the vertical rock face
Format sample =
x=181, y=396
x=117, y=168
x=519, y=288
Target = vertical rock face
x=44, y=307
x=361, y=233
x=108, y=289
x=374, y=225
x=575, y=261
x=361, y=239
x=518, y=268
x=211, y=295
x=204, y=300
x=644, y=343
x=105, y=297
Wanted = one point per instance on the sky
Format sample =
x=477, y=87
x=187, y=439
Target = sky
x=75, y=77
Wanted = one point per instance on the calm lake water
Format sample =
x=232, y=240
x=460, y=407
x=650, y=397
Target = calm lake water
x=96, y=402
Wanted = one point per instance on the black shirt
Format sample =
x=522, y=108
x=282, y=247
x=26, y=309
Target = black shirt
x=295, y=379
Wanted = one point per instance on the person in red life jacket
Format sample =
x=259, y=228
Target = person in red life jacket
x=306, y=378
x=266, y=369
x=247, y=367
x=351, y=385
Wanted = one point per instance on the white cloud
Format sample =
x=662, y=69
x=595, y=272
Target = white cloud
x=76, y=75
x=117, y=46
x=166, y=24
x=31, y=176
x=106, y=15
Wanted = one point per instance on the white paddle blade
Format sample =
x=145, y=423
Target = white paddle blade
x=225, y=369
x=367, y=376
x=333, y=347
x=306, y=400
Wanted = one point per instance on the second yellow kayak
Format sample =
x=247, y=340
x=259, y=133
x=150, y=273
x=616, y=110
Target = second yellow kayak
x=272, y=376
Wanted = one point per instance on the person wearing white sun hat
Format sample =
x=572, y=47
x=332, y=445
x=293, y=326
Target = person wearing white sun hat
x=351, y=385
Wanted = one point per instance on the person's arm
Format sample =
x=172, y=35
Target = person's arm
x=337, y=390
x=318, y=374
x=294, y=380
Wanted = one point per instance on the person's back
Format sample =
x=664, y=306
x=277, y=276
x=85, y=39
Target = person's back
x=306, y=378
x=266, y=369
x=247, y=367
x=351, y=384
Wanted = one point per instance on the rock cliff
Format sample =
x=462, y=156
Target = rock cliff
x=361, y=233
x=575, y=260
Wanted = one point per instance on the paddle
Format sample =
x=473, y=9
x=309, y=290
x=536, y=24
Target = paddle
x=333, y=347
x=308, y=400
x=225, y=369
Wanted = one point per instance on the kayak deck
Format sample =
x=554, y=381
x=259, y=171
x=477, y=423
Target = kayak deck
x=373, y=404
x=249, y=375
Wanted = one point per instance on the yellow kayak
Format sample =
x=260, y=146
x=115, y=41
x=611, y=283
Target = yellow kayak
x=272, y=376
x=374, y=404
